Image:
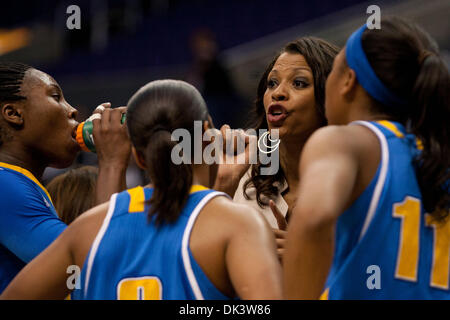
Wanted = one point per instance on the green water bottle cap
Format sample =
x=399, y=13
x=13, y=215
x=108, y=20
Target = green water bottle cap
x=84, y=134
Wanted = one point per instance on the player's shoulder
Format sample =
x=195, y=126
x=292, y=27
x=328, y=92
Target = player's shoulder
x=236, y=215
x=341, y=139
x=345, y=134
x=12, y=179
x=92, y=216
x=15, y=186
x=88, y=223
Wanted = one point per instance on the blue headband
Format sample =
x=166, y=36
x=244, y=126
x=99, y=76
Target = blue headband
x=357, y=60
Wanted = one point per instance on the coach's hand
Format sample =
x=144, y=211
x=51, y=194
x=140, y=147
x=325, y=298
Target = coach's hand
x=280, y=233
x=229, y=174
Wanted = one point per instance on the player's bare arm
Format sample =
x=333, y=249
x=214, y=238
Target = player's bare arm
x=251, y=257
x=329, y=166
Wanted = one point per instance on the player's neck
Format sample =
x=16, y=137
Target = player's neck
x=360, y=112
x=200, y=175
x=359, y=106
x=22, y=159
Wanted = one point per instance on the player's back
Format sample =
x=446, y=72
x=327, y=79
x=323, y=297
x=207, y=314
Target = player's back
x=132, y=258
x=386, y=246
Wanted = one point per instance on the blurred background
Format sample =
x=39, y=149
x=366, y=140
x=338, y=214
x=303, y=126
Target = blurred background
x=220, y=46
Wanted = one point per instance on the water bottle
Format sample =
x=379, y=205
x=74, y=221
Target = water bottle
x=84, y=134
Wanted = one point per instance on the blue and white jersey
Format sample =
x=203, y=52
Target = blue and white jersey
x=386, y=246
x=132, y=258
x=28, y=220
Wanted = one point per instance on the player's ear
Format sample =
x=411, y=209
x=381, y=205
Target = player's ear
x=13, y=114
x=349, y=82
x=139, y=158
x=208, y=124
x=208, y=129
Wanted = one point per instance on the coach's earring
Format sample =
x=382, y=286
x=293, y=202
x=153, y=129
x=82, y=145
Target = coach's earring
x=264, y=137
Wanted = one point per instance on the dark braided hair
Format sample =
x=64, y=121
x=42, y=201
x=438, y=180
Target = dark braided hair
x=11, y=77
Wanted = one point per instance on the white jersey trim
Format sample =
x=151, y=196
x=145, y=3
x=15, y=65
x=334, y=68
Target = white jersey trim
x=185, y=244
x=381, y=178
x=98, y=239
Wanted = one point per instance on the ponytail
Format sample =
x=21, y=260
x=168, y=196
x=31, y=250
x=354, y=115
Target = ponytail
x=154, y=111
x=171, y=182
x=429, y=122
x=406, y=60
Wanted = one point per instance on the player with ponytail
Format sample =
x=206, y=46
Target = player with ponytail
x=172, y=181
x=372, y=216
x=174, y=239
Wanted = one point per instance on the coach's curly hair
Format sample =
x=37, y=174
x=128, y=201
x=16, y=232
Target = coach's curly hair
x=319, y=54
x=11, y=78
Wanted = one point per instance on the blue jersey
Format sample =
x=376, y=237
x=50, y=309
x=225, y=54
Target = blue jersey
x=28, y=220
x=386, y=246
x=132, y=258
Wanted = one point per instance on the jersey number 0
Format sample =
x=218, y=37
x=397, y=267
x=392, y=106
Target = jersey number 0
x=142, y=288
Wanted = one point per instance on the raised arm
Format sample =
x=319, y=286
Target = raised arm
x=328, y=172
x=113, y=151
